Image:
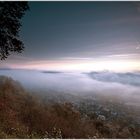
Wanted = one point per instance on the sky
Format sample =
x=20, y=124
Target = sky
x=79, y=36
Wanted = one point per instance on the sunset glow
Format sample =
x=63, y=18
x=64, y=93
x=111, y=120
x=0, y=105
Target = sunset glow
x=78, y=65
x=79, y=39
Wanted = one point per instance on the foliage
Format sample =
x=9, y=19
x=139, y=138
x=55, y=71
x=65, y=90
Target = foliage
x=10, y=15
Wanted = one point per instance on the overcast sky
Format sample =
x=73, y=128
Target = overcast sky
x=80, y=36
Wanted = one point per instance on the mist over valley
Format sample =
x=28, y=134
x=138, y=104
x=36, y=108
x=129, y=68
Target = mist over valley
x=120, y=86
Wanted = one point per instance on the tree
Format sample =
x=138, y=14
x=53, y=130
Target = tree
x=10, y=23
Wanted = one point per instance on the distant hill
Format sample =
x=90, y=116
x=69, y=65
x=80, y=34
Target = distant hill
x=52, y=72
x=5, y=69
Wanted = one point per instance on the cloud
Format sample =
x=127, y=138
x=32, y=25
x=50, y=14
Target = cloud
x=77, y=58
x=138, y=7
x=127, y=55
x=122, y=78
x=125, y=86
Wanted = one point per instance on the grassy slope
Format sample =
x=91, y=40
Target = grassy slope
x=24, y=116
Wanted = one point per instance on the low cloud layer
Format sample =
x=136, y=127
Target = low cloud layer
x=109, y=85
x=123, y=78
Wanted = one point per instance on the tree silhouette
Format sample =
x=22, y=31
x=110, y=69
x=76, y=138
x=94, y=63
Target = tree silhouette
x=10, y=23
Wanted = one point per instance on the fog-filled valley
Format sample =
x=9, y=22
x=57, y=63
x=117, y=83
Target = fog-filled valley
x=111, y=101
x=121, y=86
x=69, y=70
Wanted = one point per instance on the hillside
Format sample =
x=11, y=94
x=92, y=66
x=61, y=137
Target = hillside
x=24, y=115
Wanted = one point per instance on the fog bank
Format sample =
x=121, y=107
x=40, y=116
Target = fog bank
x=123, y=86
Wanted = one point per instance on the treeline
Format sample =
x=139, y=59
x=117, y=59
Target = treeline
x=23, y=115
